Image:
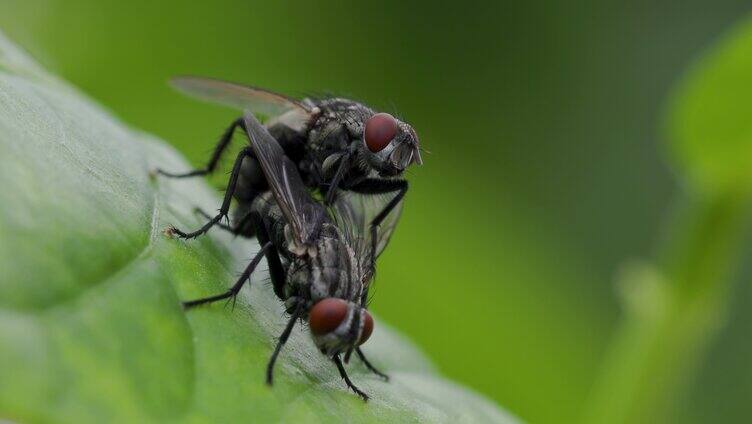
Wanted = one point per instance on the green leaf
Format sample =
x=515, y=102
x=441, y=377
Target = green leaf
x=710, y=119
x=91, y=328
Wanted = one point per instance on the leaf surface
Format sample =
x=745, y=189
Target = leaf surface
x=91, y=328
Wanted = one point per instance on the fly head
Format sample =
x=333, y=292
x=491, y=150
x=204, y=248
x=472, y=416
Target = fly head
x=338, y=325
x=390, y=145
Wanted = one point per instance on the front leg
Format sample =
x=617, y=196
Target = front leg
x=297, y=313
x=344, y=163
x=368, y=364
x=343, y=374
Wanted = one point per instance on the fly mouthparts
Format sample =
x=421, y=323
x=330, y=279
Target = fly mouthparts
x=417, y=159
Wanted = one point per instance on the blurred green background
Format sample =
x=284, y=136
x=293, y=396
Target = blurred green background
x=546, y=169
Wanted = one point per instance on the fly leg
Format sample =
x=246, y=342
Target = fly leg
x=220, y=148
x=344, y=376
x=297, y=313
x=221, y=225
x=368, y=365
x=277, y=274
x=276, y=270
x=233, y=229
x=379, y=186
x=233, y=291
x=225, y=209
x=344, y=163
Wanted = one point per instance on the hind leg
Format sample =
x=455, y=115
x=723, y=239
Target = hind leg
x=242, y=225
x=235, y=289
x=225, y=209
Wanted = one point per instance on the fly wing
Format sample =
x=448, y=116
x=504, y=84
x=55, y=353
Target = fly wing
x=302, y=212
x=354, y=212
x=244, y=97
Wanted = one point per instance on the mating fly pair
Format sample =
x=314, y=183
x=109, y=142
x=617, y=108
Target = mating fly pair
x=321, y=260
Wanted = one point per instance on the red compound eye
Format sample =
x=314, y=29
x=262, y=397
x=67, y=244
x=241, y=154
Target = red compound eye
x=380, y=130
x=367, y=327
x=327, y=315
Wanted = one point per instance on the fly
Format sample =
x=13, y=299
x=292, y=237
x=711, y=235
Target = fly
x=336, y=144
x=320, y=265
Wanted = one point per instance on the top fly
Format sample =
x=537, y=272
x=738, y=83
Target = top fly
x=336, y=144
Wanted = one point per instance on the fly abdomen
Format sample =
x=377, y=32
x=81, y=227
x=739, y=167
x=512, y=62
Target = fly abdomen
x=272, y=219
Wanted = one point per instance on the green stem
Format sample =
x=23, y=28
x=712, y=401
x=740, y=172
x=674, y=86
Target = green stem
x=672, y=313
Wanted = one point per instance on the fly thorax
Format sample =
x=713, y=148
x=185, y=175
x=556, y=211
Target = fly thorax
x=328, y=136
x=298, y=279
x=325, y=269
x=296, y=248
x=333, y=272
x=295, y=119
x=348, y=267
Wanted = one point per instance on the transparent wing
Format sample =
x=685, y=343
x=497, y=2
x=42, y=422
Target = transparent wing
x=354, y=212
x=302, y=212
x=244, y=97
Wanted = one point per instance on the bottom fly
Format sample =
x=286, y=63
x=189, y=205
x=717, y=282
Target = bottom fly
x=320, y=267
